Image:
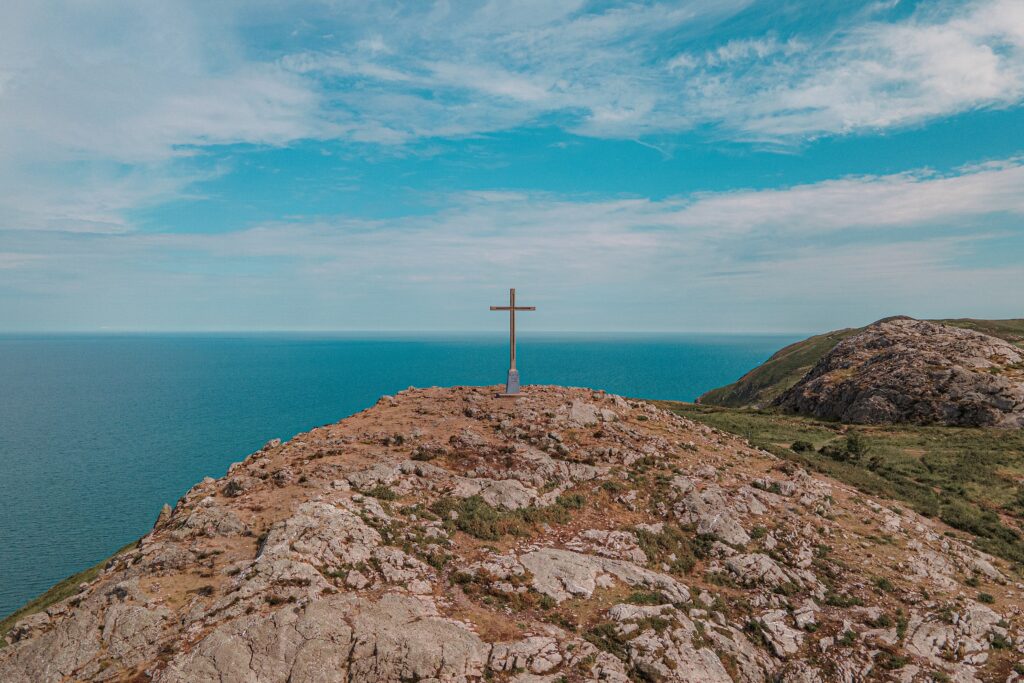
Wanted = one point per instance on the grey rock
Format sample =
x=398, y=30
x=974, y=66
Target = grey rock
x=537, y=654
x=339, y=639
x=210, y=519
x=581, y=414
x=785, y=641
x=323, y=535
x=758, y=568
x=562, y=574
x=710, y=510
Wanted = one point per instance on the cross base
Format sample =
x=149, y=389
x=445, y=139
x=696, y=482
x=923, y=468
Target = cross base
x=512, y=385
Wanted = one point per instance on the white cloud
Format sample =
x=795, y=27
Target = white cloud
x=751, y=49
x=134, y=82
x=879, y=75
x=891, y=201
x=745, y=259
x=609, y=73
x=101, y=104
x=146, y=85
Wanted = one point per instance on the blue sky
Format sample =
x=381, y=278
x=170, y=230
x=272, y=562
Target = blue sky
x=725, y=165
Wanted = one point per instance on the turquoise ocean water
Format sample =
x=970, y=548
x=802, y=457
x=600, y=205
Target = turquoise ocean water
x=97, y=432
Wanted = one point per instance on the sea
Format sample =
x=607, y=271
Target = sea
x=97, y=432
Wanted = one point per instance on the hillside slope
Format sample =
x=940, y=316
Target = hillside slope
x=908, y=371
x=447, y=535
x=763, y=384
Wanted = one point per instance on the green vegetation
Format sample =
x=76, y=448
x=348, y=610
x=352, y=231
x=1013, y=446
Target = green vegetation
x=841, y=600
x=778, y=373
x=481, y=585
x=1011, y=330
x=474, y=516
x=883, y=584
x=64, y=589
x=648, y=598
x=382, y=492
x=761, y=385
x=675, y=547
x=887, y=658
x=607, y=636
x=967, y=477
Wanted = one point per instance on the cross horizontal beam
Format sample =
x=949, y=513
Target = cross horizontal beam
x=513, y=308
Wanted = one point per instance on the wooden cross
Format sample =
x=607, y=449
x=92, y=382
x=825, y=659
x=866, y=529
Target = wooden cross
x=512, y=385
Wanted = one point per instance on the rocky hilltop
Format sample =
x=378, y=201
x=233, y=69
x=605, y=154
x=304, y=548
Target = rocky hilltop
x=764, y=383
x=913, y=371
x=447, y=535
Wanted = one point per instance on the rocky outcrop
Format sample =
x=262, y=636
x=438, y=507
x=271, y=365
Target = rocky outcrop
x=912, y=371
x=447, y=535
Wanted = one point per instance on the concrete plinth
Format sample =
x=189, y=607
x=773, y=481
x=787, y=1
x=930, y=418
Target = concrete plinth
x=511, y=385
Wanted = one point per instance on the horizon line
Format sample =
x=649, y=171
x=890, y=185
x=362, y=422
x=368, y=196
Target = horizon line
x=104, y=331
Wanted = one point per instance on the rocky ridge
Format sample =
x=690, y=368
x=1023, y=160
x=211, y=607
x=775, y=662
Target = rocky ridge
x=913, y=371
x=569, y=535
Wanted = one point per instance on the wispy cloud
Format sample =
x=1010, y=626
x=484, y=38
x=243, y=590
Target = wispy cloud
x=101, y=106
x=866, y=202
x=942, y=60
x=707, y=261
x=109, y=108
x=609, y=74
x=134, y=82
x=147, y=85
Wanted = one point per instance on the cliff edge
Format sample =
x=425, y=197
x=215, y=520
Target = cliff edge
x=569, y=535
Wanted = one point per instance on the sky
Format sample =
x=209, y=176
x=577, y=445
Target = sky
x=688, y=166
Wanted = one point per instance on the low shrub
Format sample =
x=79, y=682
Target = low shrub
x=840, y=600
x=382, y=492
x=571, y=501
x=674, y=546
x=605, y=636
x=647, y=598
x=888, y=659
x=884, y=584
x=474, y=516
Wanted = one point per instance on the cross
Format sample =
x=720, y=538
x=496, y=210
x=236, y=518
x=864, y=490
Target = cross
x=512, y=385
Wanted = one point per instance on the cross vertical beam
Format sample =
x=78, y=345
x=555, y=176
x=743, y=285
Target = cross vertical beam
x=512, y=384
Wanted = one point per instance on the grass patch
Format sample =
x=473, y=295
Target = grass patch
x=674, y=546
x=885, y=585
x=605, y=636
x=61, y=591
x=648, y=598
x=474, y=516
x=842, y=600
x=891, y=660
x=381, y=492
x=481, y=586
